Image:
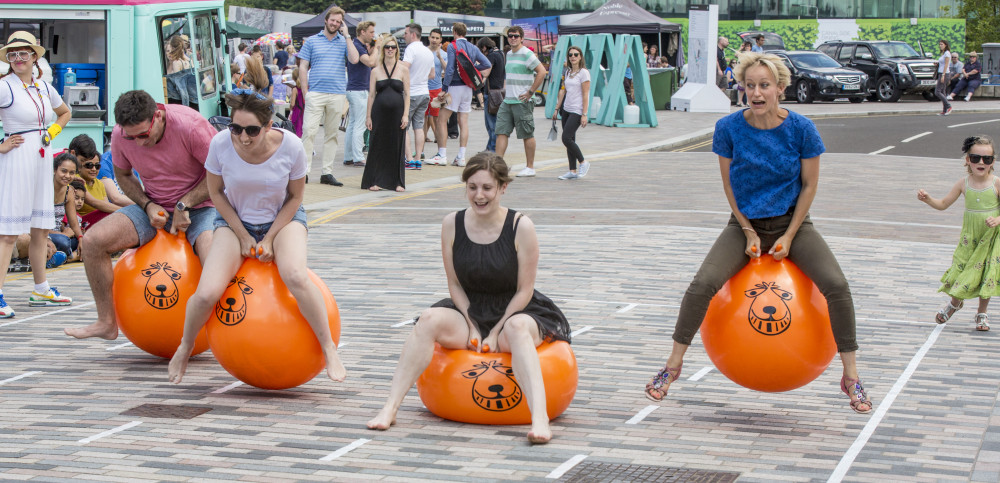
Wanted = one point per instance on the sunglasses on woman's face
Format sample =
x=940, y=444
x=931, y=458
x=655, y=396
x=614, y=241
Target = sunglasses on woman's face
x=15, y=55
x=573, y=54
x=92, y=165
x=976, y=158
x=393, y=47
x=252, y=131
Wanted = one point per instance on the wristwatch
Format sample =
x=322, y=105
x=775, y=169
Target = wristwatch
x=180, y=206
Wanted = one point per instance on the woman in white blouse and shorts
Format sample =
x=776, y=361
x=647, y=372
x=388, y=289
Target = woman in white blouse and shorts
x=256, y=179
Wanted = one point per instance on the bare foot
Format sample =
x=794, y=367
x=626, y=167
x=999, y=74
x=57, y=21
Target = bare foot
x=374, y=188
x=97, y=329
x=540, y=432
x=385, y=418
x=178, y=364
x=400, y=189
x=334, y=368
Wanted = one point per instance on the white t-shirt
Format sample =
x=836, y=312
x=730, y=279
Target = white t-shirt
x=257, y=191
x=573, y=101
x=421, y=61
x=945, y=57
x=241, y=61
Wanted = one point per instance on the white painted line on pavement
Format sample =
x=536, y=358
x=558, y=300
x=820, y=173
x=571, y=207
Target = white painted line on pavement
x=642, y=414
x=627, y=308
x=911, y=138
x=22, y=376
x=880, y=151
x=580, y=331
x=119, y=346
x=971, y=123
x=342, y=451
x=110, y=432
x=700, y=374
x=227, y=388
x=46, y=314
x=568, y=465
x=845, y=463
x=342, y=344
x=404, y=323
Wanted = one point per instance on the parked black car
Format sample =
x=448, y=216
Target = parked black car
x=893, y=67
x=815, y=76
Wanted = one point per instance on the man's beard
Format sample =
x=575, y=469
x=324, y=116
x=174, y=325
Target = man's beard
x=331, y=32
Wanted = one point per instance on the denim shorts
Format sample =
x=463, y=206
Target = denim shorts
x=258, y=232
x=201, y=221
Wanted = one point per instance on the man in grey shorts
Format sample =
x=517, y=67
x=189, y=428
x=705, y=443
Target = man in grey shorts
x=420, y=60
x=167, y=145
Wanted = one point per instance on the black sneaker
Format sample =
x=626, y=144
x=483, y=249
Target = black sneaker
x=330, y=180
x=348, y=163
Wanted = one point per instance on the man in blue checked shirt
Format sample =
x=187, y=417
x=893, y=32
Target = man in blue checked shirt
x=323, y=75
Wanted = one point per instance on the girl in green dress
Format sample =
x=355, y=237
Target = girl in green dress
x=975, y=267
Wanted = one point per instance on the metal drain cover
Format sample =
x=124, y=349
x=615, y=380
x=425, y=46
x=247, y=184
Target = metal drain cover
x=615, y=472
x=166, y=411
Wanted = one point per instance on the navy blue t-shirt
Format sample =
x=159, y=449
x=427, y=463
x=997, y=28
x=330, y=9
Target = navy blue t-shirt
x=358, y=74
x=282, y=57
x=766, y=171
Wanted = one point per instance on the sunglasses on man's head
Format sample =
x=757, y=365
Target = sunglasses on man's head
x=96, y=165
x=15, y=55
x=513, y=36
x=252, y=131
x=976, y=158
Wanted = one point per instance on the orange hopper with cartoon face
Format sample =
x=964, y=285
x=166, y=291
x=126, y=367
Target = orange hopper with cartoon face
x=768, y=328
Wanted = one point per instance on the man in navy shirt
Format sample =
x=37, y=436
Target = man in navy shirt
x=461, y=95
x=323, y=75
x=358, y=75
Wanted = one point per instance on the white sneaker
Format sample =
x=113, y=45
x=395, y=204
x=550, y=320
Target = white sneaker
x=569, y=175
x=584, y=169
x=438, y=160
x=460, y=162
x=951, y=97
x=526, y=172
x=968, y=97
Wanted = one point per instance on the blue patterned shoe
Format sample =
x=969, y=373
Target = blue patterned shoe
x=5, y=311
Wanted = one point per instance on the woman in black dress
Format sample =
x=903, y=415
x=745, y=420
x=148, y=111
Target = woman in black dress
x=491, y=259
x=388, y=106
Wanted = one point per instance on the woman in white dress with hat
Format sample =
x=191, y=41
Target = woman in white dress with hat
x=28, y=107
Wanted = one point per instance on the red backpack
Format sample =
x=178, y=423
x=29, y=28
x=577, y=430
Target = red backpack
x=467, y=69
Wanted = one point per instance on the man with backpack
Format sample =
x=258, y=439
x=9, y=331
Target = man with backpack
x=463, y=75
x=525, y=74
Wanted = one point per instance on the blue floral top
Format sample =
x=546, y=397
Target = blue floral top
x=765, y=173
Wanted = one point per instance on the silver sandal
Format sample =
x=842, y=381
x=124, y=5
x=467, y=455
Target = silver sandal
x=943, y=315
x=982, y=322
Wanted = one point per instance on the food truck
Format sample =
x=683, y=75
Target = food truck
x=113, y=46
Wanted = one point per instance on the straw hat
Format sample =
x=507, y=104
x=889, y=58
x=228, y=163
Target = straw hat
x=22, y=39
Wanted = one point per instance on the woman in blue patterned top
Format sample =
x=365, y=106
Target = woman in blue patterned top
x=769, y=159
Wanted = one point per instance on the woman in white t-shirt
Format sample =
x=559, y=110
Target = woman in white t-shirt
x=256, y=179
x=943, y=71
x=574, y=99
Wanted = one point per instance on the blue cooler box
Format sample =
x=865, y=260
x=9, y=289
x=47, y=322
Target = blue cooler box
x=93, y=74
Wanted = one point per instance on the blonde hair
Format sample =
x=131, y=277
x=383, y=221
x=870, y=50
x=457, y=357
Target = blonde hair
x=772, y=62
x=381, y=55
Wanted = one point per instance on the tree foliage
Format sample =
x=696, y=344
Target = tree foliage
x=468, y=7
x=982, y=24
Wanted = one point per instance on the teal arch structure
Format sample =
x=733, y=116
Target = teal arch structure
x=606, y=84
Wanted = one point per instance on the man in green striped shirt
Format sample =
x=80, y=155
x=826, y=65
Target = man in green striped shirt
x=524, y=74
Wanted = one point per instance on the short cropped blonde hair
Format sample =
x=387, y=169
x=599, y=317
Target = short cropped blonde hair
x=773, y=63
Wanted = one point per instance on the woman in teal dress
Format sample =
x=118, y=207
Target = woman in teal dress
x=975, y=266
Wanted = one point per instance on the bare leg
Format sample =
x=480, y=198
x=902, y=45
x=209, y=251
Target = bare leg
x=442, y=127
x=445, y=326
x=463, y=129
x=502, y=144
x=37, y=253
x=851, y=372
x=983, y=304
x=290, y=255
x=520, y=336
x=112, y=234
x=6, y=250
x=529, y=152
x=223, y=262
x=418, y=137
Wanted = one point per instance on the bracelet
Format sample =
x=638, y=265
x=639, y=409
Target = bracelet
x=746, y=228
x=146, y=205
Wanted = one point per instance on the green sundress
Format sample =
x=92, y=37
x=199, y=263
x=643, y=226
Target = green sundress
x=975, y=266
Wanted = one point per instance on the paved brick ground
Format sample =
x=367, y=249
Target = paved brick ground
x=618, y=249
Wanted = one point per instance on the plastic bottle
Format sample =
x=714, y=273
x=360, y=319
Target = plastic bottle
x=69, y=77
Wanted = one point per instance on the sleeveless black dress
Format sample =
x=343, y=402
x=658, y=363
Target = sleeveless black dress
x=488, y=274
x=387, y=142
